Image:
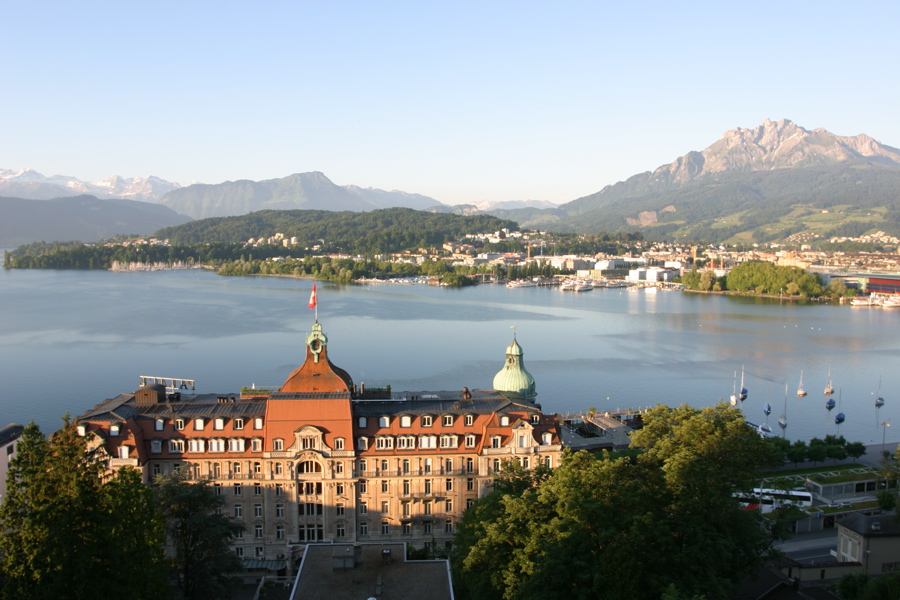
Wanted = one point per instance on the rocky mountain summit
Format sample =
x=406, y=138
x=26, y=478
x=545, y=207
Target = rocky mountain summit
x=31, y=185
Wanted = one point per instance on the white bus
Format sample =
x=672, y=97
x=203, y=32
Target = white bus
x=767, y=499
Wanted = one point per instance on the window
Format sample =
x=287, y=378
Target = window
x=470, y=484
x=496, y=465
x=311, y=488
x=407, y=486
x=279, y=468
x=405, y=466
x=469, y=503
x=338, y=468
x=123, y=451
x=278, y=445
x=258, y=531
x=156, y=446
x=239, y=534
x=257, y=489
x=258, y=423
x=309, y=466
x=216, y=469
x=339, y=509
x=339, y=489
x=217, y=445
x=384, y=421
x=535, y=419
x=448, y=441
x=448, y=421
x=426, y=421
x=363, y=528
x=238, y=511
x=384, y=466
x=428, y=484
x=257, y=511
x=260, y=551
x=279, y=532
x=362, y=466
x=309, y=442
x=385, y=507
x=362, y=423
x=279, y=511
x=198, y=424
x=362, y=443
x=114, y=430
x=363, y=487
x=405, y=508
x=158, y=426
x=469, y=420
x=448, y=465
x=239, y=551
x=236, y=445
x=448, y=485
x=428, y=441
x=257, y=468
x=363, y=508
x=406, y=442
x=385, y=486
x=470, y=441
x=407, y=528
x=179, y=424
x=448, y=526
x=405, y=421
x=338, y=443
x=470, y=465
x=427, y=466
x=546, y=438
x=196, y=445
x=426, y=527
x=236, y=468
x=548, y=462
x=157, y=469
x=385, y=528
x=525, y=462
x=219, y=424
x=238, y=424
x=384, y=443
x=176, y=446
x=340, y=531
x=522, y=441
x=256, y=445
x=426, y=507
x=504, y=421
x=238, y=490
x=495, y=441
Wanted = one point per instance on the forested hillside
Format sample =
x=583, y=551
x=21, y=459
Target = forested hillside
x=377, y=231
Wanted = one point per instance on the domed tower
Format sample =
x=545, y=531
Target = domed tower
x=514, y=381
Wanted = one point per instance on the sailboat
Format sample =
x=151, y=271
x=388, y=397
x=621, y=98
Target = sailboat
x=829, y=389
x=765, y=429
x=879, y=401
x=767, y=409
x=829, y=404
x=734, y=396
x=743, y=395
x=782, y=420
x=800, y=390
x=839, y=418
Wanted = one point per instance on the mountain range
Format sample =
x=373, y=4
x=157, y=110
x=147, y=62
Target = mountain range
x=752, y=185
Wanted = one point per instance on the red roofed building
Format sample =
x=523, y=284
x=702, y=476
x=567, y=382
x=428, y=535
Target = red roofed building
x=321, y=460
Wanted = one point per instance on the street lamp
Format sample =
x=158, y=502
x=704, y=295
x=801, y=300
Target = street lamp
x=884, y=426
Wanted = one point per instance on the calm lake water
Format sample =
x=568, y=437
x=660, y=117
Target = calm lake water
x=69, y=339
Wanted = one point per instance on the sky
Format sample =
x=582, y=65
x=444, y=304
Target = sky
x=461, y=101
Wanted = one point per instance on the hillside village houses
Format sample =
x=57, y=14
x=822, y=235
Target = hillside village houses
x=325, y=459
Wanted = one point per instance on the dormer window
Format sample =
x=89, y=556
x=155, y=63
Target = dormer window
x=504, y=421
x=362, y=443
x=219, y=424
x=338, y=443
x=384, y=421
x=470, y=420
x=123, y=451
x=179, y=424
x=405, y=421
x=470, y=441
x=238, y=424
x=114, y=430
x=278, y=445
x=547, y=438
x=198, y=424
x=158, y=426
x=258, y=423
x=362, y=423
x=448, y=421
x=426, y=421
x=495, y=441
x=535, y=419
x=82, y=430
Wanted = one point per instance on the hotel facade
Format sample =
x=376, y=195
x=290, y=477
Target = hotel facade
x=323, y=460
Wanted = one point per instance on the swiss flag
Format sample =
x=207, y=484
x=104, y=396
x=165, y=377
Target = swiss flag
x=312, y=298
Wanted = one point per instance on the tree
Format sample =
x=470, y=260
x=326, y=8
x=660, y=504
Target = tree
x=797, y=452
x=201, y=535
x=65, y=528
x=817, y=452
x=855, y=450
x=573, y=534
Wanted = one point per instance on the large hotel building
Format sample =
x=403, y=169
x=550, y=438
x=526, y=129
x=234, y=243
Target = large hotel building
x=324, y=460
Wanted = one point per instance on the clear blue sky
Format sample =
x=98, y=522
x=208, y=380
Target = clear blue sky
x=461, y=101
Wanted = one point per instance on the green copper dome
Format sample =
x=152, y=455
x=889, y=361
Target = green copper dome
x=514, y=380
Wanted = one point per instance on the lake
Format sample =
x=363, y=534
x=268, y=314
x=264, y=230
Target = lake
x=69, y=339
